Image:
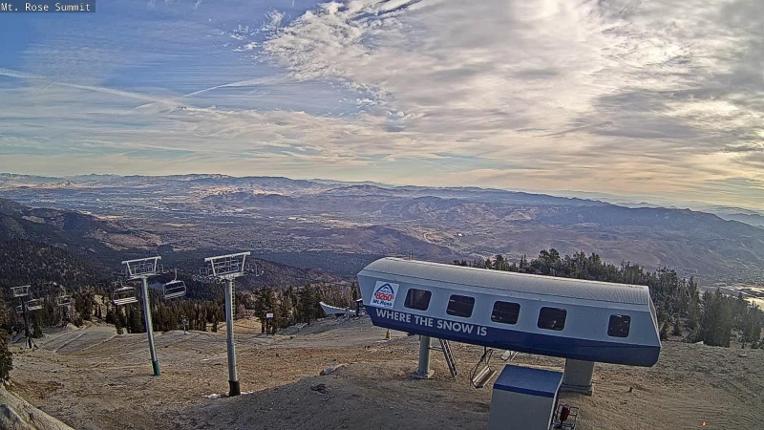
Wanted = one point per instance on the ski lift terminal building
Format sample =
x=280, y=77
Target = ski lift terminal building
x=570, y=318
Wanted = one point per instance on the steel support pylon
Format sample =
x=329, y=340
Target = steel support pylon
x=424, y=371
x=27, y=332
x=149, y=327
x=234, y=389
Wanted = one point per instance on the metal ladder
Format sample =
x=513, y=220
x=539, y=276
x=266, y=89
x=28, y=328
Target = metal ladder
x=446, y=348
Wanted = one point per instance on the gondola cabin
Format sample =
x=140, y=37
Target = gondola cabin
x=571, y=318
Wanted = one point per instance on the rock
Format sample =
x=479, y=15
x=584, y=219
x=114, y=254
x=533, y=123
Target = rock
x=321, y=388
x=331, y=369
x=10, y=420
x=18, y=414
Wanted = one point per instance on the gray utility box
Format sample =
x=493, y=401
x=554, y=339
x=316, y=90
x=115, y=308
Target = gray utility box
x=524, y=398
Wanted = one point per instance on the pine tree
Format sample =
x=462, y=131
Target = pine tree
x=84, y=303
x=751, y=327
x=308, y=307
x=717, y=320
x=6, y=358
x=678, y=302
x=135, y=320
x=664, y=330
x=36, y=328
x=676, y=328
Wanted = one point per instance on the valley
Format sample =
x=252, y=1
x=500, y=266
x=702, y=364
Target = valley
x=339, y=226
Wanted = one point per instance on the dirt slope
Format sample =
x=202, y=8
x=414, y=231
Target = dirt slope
x=93, y=380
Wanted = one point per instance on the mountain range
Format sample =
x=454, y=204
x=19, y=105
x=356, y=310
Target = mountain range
x=339, y=226
x=39, y=245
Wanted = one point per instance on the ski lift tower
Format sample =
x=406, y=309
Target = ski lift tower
x=143, y=269
x=22, y=292
x=64, y=301
x=227, y=268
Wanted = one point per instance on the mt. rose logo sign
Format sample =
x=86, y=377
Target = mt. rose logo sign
x=384, y=294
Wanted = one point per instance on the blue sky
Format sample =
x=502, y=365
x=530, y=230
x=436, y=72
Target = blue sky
x=658, y=100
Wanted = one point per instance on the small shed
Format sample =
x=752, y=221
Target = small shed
x=524, y=398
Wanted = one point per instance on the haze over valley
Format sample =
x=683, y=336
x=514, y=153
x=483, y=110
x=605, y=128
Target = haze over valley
x=339, y=226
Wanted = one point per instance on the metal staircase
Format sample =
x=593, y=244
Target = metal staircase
x=446, y=348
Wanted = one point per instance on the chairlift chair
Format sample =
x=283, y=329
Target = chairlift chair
x=174, y=288
x=124, y=296
x=20, y=291
x=483, y=376
x=19, y=310
x=64, y=300
x=256, y=269
x=34, y=304
x=480, y=376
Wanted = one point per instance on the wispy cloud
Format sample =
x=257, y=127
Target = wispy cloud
x=658, y=98
x=634, y=97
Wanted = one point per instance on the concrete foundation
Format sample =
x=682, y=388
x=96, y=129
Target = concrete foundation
x=578, y=377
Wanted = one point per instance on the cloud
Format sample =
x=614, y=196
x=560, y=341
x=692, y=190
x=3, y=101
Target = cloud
x=661, y=98
x=626, y=93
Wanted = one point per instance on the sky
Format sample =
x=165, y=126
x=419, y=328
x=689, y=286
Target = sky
x=650, y=100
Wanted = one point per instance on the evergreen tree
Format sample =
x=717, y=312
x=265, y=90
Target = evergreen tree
x=717, y=320
x=751, y=327
x=282, y=316
x=84, y=303
x=678, y=302
x=6, y=359
x=499, y=263
x=36, y=327
x=264, y=303
x=676, y=328
x=356, y=292
x=307, y=301
x=664, y=330
x=135, y=320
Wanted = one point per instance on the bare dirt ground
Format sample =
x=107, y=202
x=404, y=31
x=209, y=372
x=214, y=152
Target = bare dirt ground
x=92, y=379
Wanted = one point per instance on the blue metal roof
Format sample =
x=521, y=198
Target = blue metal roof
x=510, y=281
x=528, y=380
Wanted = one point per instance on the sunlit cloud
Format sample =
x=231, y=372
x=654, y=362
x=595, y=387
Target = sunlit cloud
x=659, y=100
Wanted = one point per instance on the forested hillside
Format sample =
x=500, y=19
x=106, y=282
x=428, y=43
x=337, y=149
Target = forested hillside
x=683, y=310
x=25, y=262
x=81, y=234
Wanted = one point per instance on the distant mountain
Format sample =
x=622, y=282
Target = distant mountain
x=338, y=226
x=40, y=245
x=68, y=229
x=752, y=219
x=747, y=216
